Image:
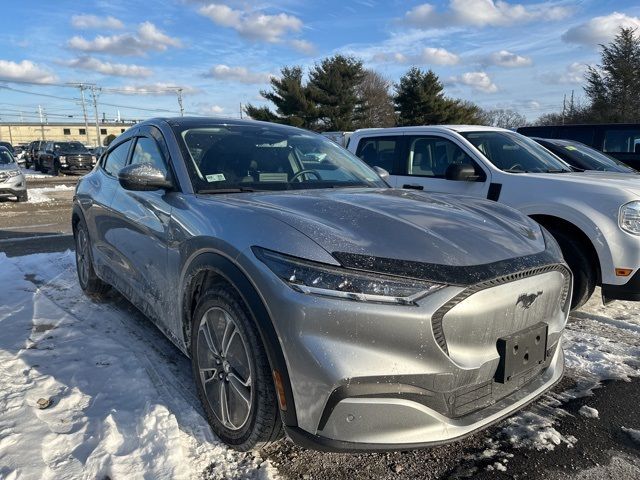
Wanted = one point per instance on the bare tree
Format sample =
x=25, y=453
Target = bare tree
x=504, y=118
x=376, y=104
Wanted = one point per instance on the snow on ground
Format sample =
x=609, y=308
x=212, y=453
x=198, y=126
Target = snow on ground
x=123, y=401
x=589, y=412
x=43, y=195
x=29, y=173
x=634, y=434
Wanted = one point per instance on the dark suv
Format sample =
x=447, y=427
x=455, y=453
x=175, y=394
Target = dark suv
x=33, y=150
x=66, y=157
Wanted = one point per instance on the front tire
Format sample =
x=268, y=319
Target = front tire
x=584, y=273
x=89, y=281
x=23, y=197
x=231, y=371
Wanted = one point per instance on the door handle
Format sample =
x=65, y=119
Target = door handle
x=413, y=187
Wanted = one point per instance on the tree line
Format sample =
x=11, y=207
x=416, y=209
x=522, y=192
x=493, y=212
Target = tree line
x=340, y=94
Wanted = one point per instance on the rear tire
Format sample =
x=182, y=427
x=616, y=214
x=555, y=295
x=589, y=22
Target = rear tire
x=23, y=197
x=232, y=373
x=584, y=273
x=89, y=281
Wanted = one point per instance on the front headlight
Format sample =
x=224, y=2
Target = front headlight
x=314, y=278
x=629, y=217
x=13, y=173
x=62, y=158
x=93, y=159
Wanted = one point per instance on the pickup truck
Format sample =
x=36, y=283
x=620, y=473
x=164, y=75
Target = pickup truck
x=594, y=216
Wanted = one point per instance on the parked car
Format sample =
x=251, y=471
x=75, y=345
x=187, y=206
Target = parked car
x=18, y=154
x=620, y=140
x=583, y=158
x=33, y=154
x=341, y=138
x=12, y=181
x=8, y=146
x=592, y=215
x=312, y=295
x=66, y=157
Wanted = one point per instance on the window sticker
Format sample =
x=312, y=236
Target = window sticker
x=215, y=177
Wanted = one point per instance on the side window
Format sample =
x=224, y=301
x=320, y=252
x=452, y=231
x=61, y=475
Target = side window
x=380, y=151
x=432, y=156
x=621, y=141
x=146, y=151
x=116, y=159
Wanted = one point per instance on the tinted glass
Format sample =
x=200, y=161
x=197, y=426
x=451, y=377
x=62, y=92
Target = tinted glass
x=146, y=151
x=117, y=159
x=244, y=157
x=515, y=153
x=586, y=158
x=579, y=134
x=621, y=141
x=379, y=152
x=432, y=156
x=5, y=157
x=72, y=147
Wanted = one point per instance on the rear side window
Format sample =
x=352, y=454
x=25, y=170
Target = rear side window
x=379, y=151
x=622, y=141
x=579, y=134
x=116, y=159
x=146, y=151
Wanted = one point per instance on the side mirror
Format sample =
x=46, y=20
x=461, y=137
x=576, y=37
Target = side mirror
x=382, y=172
x=461, y=172
x=143, y=177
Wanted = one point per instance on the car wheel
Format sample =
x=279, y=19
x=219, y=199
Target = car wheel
x=56, y=168
x=232, y=372
x=584, y=273
x=23, y=197
x=89, y=281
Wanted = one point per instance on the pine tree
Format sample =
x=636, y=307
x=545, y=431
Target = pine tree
x=333, y=87
x=289, y=95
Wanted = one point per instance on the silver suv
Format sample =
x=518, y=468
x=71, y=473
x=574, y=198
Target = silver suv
x=12, y=181
x=313, y=298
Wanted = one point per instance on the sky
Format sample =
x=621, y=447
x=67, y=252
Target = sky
x=500, y=54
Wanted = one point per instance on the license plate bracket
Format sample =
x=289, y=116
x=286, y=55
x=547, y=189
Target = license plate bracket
x=521, y=351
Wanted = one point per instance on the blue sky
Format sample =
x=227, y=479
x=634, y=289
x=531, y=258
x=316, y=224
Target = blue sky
x=500, y=54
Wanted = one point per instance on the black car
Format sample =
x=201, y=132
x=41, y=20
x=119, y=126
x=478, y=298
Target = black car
x=620, y=140
x=8, y=146
x=581, y=157
x=65, y=157
x=33, y=151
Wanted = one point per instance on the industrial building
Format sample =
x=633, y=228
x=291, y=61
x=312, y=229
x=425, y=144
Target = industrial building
x=24, y=132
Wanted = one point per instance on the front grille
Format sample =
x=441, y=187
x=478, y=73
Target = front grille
x=438, y=316
x=78, y=161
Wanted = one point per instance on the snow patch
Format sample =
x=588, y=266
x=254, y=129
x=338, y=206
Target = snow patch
x=588, y=412
x=634, y=434
x=41, y=195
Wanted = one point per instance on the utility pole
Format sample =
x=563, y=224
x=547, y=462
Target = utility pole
x=41, y=122
x=179, y=93
x=240, y=110
x=571, y=104
x=94, y=96
x=82, y=87
x=564, y=107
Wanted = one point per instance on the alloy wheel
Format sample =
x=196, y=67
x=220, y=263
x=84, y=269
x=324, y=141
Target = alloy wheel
x=225, y=368
x=82, y=256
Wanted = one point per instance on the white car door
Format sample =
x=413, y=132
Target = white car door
x=428, y=161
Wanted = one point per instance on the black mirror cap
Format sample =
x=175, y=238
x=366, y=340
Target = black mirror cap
x=461, y=172
x=143, y=177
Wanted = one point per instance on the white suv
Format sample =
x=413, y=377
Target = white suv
x=595, y=216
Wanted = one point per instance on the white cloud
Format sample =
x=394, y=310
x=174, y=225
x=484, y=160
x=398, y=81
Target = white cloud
x=237, y=74
x=427, y=56
x=505, y=58
x=25, y=71
x=93, y=21
x=154, y=89
x=572, y=74
x=252, y=25
x=483, y=13
x=600, y=29
x=478, y=81
x=148, y=38
x=303, y=46
x=108, y=68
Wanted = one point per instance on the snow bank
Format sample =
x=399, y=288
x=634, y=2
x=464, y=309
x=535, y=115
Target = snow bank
x=41, y=195
x=123, y=399
x=589, y=412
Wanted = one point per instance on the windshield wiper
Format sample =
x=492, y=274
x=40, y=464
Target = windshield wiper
x=227, y=190
x=557, y=170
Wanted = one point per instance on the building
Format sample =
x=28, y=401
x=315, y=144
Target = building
x=25, y=132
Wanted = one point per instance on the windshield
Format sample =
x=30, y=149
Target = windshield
x=515, y=153
x=72, y=147
x=6, y=159
x=249, y=158
x=586, y=158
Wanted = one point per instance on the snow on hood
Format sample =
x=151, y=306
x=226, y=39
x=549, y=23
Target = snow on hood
x=390, y=223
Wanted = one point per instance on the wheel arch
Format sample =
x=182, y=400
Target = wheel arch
x=552, y=222
x=210, y=268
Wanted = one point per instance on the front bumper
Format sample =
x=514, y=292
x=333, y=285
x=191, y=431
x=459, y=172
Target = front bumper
x=368, y=376
x=13, y=186
x=626, y=291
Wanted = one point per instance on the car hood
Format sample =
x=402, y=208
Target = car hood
x=592, y=178
x=397, y=224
